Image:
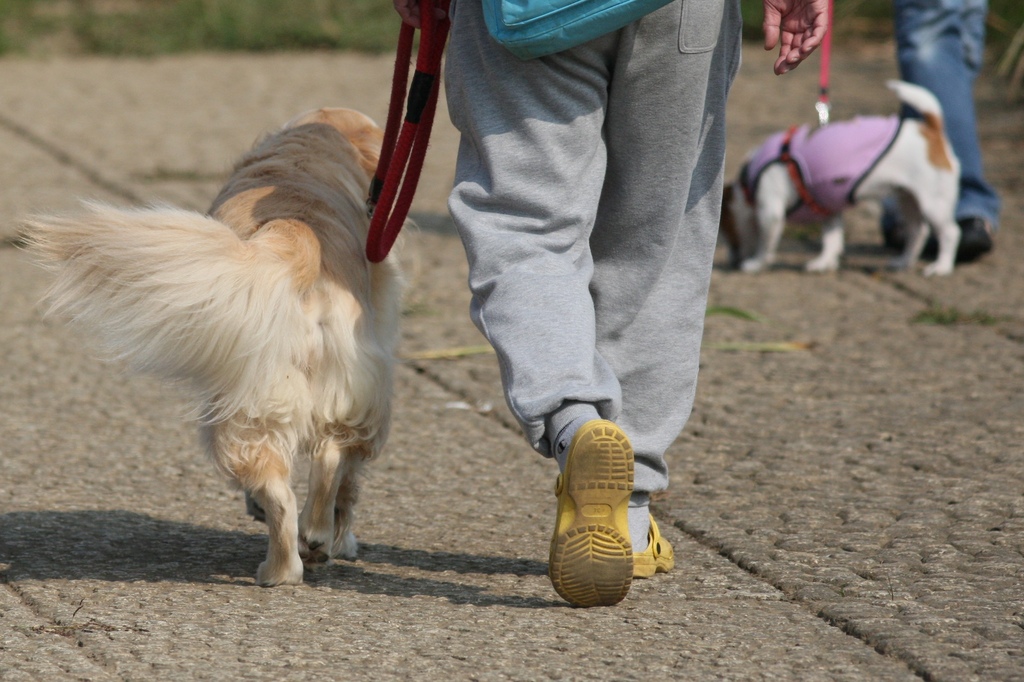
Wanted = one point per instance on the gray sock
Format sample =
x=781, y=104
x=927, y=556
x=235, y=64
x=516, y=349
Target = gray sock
x=639, y=520
x=561, y=444
x=565, y=422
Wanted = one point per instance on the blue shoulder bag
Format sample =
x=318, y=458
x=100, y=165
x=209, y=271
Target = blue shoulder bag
x=534, y=28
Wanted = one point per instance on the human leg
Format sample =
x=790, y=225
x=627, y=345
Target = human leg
x=940, y=46
x=533, y=169
x=657, y=226
x=528, y=180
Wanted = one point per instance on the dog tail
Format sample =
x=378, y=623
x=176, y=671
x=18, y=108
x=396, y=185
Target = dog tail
x=940, y=152
x=178, y=294
x=921, y=99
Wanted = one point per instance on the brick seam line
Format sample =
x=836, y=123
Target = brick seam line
x=721, y=548
x=832, y=613
x=103, y=668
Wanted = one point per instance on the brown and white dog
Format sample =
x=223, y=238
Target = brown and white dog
x=811, y=176
x=268, y=309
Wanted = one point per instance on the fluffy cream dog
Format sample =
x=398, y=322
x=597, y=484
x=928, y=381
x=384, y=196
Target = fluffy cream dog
x=268, y=309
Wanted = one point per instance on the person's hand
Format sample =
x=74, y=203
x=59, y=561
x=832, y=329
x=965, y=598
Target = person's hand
x=796, y=26
x=409, y=10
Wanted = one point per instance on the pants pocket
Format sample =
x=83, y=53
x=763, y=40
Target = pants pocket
x=700, y=24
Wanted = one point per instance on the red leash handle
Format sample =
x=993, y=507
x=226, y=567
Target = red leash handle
x=403, y=151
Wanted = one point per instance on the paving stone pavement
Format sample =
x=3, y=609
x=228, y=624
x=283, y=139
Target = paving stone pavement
x=851, y=510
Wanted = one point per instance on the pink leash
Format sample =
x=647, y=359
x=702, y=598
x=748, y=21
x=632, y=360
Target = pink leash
x=824, y=106
x=402, y=152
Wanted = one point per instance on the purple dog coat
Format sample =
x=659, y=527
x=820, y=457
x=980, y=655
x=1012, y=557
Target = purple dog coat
x=830, y=162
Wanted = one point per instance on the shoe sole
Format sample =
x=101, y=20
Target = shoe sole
x=591, y=562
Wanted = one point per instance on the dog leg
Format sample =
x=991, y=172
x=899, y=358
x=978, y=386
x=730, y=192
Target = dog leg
x=775, y=192
x=948, y=235
x=316, y=522
x=916, y=234
x=345, y=543
x=772, y=221
x=767, y=245
x=831, y=247
x=260, y=461
x=938, y=211
x=282, y=565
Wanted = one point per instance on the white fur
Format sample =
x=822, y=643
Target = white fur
x=267, y=309
x=927, y=196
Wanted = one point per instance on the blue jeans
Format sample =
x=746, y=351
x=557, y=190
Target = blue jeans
x=940, y=44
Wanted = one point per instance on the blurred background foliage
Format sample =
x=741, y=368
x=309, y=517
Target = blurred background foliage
x=150, y=27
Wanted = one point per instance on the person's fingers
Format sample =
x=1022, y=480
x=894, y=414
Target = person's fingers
x=770, y=27
x=797, y=34
x=784, y=63
x=817, y=35
x=790, y=55
x=409, y=11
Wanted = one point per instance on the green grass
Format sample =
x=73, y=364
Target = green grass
x=149, y=27
x=948, y=315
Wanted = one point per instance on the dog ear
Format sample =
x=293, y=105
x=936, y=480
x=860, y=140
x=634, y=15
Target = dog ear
x=365, y=135
x=358, y=128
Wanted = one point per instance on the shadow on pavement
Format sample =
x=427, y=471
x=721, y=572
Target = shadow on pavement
x=123, y=546
x=448, y=561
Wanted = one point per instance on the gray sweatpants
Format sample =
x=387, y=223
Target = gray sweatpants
x=587, y=196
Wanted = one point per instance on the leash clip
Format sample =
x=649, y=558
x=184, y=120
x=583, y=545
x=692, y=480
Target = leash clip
x=824, y=109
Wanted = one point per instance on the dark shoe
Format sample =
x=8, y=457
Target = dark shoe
x=892, y=230
x=975, y=239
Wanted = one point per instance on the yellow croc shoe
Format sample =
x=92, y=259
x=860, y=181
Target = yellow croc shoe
x=659, y=557
x=591, y=562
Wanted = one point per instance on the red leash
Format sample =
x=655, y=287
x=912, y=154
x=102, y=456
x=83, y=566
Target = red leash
x=402, y=152
x=823, y=106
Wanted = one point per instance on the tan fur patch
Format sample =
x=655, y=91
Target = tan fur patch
x=295, y=243
x=240, y=211
x=260, y=468
x=938, y=154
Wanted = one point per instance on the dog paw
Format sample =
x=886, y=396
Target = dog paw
x=346, y=546
x=752, y=265
x=899, y=264
x=313, y=552
x=937, y=269
x=271, y=573
x=822, y=265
